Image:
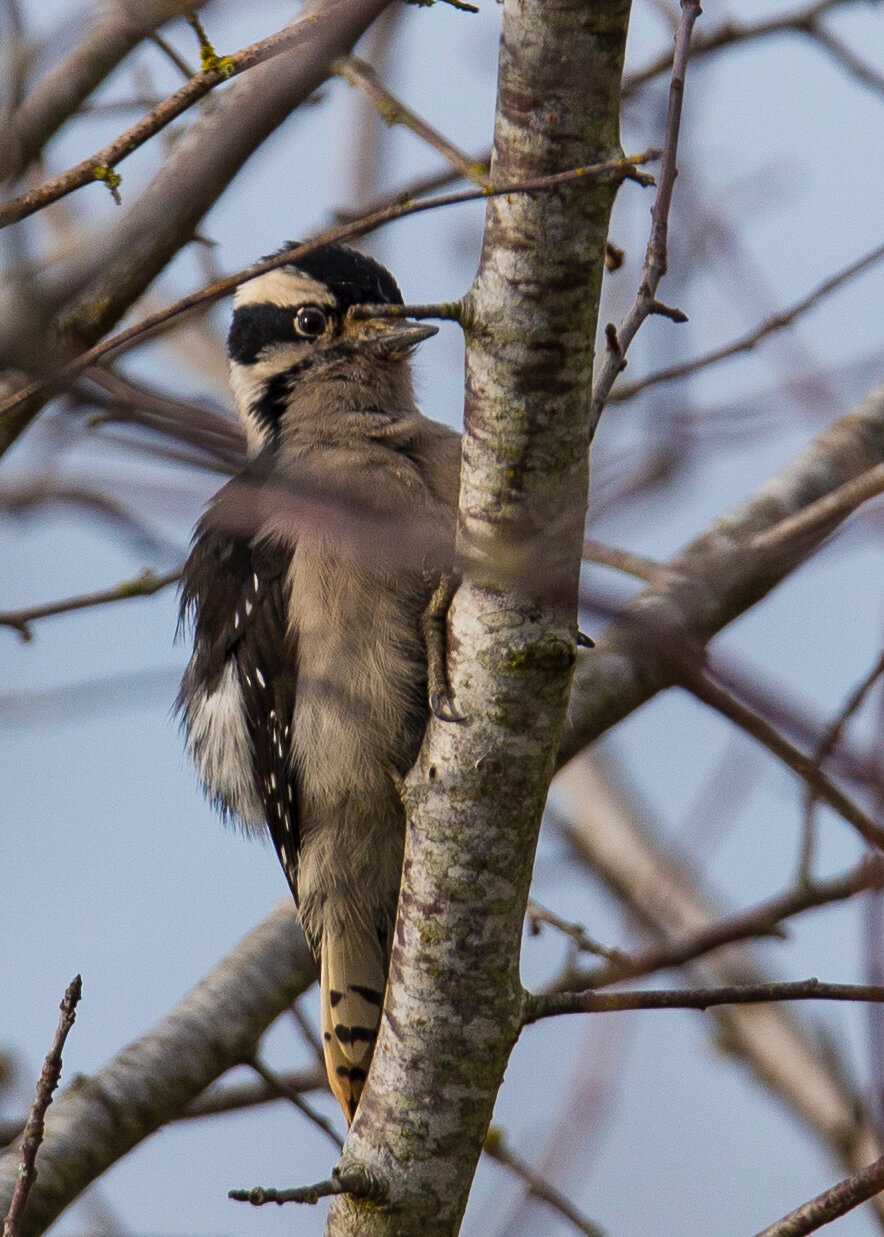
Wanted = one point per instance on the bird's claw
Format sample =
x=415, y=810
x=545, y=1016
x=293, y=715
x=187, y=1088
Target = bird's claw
x=442, y=707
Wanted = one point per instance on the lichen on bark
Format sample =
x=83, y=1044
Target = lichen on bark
x=475, y=798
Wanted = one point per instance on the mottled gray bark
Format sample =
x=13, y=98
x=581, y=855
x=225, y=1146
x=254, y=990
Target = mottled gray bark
x=475, y=798
x=95, y=1121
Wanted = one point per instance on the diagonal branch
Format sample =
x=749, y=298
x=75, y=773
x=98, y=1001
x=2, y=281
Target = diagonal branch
x=394, y=112
x=765, y=919
x=161, y=115
x=143, y=585
x=716, y=578
x=831, y=1204
x=98, y=1120
x=711, y=693
x=17, y=411
x=746, y=343
x=35, y=1124
x=110, y=34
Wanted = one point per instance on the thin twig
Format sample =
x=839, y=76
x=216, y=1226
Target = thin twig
x=718, y=698
x=416, y=188
x=552, y=1005
x=831, y=1204
x=627, y=168
x=143, y=585
x=829, y=741
x=446, y=311
x=745, y=343
x=220, y=1100
x=763, y=920
x=309, y=1034
x=171, y=54
x=497, y=1148
x=731, y=33
x=627, y=561
x=233, y=1098
x=148, y=126
x=355, y=1179
x=279, y=1083
x=845, y=57
x=394, y=112
x=654, y=268
x=33, y=1135
x=575, y=932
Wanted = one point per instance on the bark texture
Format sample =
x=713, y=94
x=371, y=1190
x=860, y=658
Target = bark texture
x=476, y=795
x=96, y=1121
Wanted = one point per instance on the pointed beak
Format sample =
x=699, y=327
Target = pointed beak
x=391, y=338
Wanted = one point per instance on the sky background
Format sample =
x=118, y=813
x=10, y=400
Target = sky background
x=112, y=863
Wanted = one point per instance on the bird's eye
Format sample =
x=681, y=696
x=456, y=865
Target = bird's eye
x=310, y=321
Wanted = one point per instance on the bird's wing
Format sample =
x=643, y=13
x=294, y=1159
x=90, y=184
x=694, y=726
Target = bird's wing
x=235, y=588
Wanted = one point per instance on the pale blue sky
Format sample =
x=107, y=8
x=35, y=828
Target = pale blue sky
x=113, y=865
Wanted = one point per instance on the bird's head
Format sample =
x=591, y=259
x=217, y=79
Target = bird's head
x=298, y=357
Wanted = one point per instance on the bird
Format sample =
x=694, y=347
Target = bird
x=315, y=590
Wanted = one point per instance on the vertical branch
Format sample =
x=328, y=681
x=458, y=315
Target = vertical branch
x=654, y=269
x=33, y=1132
x=477, y=793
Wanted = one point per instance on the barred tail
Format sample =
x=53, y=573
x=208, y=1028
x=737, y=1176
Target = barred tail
x=352, y=981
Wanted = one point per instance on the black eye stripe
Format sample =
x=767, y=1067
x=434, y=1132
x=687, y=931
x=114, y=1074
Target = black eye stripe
x=255, y=327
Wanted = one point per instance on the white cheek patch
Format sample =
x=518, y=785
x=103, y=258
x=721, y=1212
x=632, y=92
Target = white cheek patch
x=219, y=744
x=247, y=387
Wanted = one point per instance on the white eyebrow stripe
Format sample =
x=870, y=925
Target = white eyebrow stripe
x=286, y=287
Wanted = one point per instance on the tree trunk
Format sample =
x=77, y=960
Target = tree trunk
x=476, y=796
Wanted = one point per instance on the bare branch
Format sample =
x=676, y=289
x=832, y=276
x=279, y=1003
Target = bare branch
x=716, y=578
x=831, y=1204
x=711, y=693
x=154, y=122
x=33, y=1134
x=278, y=1084
x=551, y=1005
x=575, y=932
x=826, y=513
x=828, y=742
x=745, y=343
x=731, y=33
x=217, y=1025
x=627, y=561
x=654, y=269
x=110, y=35
x=763, y=920
x=659, y=887
x=394, y=112
x=353, y=1179
x=845, y=57
x=528, y=316
x=143, y=585
x=497, y=1149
